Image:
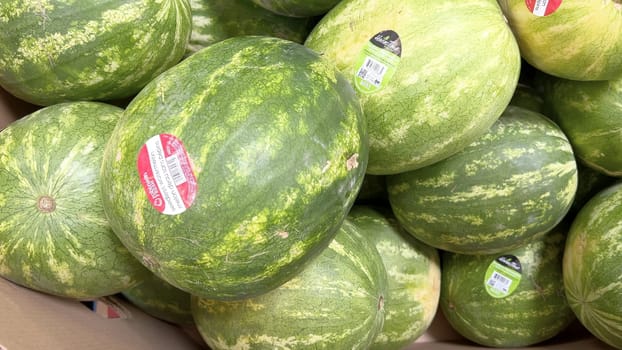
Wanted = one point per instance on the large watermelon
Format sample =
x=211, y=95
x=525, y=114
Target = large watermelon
x=265, y=147
x=66, y=50
x=432, y=75
x=297, y=8
x=216, y=20
x=591, y=266
x=413, y=277
x=54, y=236
x=510, y=299
x=571, y=39
x=589, y=114
x=515, y=182
x=336, y=302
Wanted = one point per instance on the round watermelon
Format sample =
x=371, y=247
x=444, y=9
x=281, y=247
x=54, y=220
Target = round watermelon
x=61, y=50
x=54, y=236
x=413, y=277
x=571, y=39
x=591, y=266
x=509, y=299
x=216, y=20
x=228, y=172
x=297, y=8
x=432, y=77
x=514, y=183
x=589, y=114
x=336, y=302
x=161, y=300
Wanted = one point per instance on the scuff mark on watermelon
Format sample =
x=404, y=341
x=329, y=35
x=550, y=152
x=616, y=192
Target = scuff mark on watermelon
x=352, y=162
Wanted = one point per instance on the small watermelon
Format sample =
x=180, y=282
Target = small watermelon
x=54, y=236
x=336, y=302
x=228, y=172
x=513, y=298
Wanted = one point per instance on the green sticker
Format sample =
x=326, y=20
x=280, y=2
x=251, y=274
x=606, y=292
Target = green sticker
x=378, y=62
x=503, y=276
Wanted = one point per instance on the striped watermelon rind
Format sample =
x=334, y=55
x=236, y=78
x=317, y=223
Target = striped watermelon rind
x=514, y=183
x=54, y=236
x=413, y=277
x=62, y=50
x=582, y=50
x=277, y=143
x=597, y=144
x=336, y=302
x=217, y=20
x=591, y=267
x=535, y=311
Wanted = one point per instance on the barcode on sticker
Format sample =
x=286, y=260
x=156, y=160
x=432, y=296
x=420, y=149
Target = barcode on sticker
x=539, y=8
x=499, y=282
x=372, y=71
x=174, y=167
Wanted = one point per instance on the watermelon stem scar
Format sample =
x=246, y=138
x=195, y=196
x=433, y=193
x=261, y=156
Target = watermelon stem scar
x=46, y=204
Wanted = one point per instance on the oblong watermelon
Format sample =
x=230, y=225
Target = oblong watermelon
x=217, y=20
x=54, y=236
x=336, y=302
x=61, y=50
x=591, y=266
x=413, y=277
x=432, y=76
x=513, y=298
x=515, y=182
x=228, y=172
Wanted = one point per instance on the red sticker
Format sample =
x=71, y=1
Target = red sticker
x=166, y=175
x=543, y=7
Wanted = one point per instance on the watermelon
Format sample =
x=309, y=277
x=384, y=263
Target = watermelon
x=161, y=300
x=427, y=78
x=297, y=8
x=515, y=182
x=413, y=277
x=589, y=114
x=65, y=50
x=228, y=172
x=590, y=182
x=528, y=97
x=336, y=302
x=216, y=20
x=54, y=236
x=513, y=298
x=573, y=39
x=591, y=267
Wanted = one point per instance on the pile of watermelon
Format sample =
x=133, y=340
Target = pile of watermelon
x=287, y=174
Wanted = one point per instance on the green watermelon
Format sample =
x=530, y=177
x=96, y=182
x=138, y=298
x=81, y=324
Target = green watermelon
x=591, y=266
x=589, y=114
x=297, y=8
x=54, y=236
x=425, y=72
x=513, y=298
x=413, y=277
x=515, y=182
x=573, y=39
x=67, y=50
x=336, y=302
x=228, y=172
x=216, y=20
x=161, y=300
